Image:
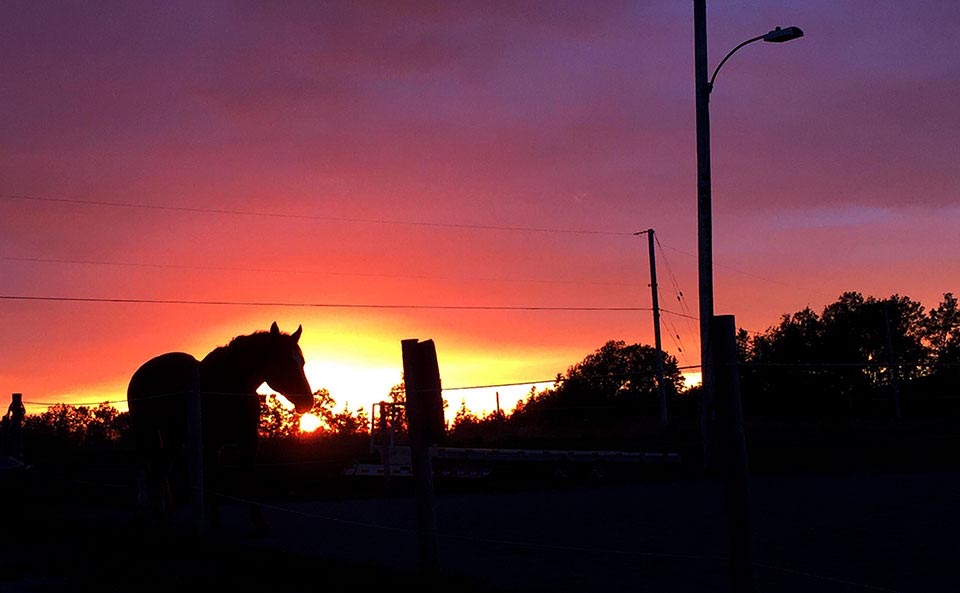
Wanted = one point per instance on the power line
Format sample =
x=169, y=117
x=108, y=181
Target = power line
x=317, y=218
x=736, y=270
x=682, y=302
x=673, y=277
x=555, y=379
x=563, y=379
x=674, y=333
x=292, y=271
x=316, y=305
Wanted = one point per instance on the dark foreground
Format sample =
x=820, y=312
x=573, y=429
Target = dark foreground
x=51, y=545
x=818, y=532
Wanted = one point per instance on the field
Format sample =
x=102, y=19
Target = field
x=829, y=532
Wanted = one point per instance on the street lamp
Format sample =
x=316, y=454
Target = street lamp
x=704, y=86
x=778, y=35
x=735, y=467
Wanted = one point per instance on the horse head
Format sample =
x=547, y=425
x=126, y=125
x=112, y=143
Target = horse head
x=285, y=369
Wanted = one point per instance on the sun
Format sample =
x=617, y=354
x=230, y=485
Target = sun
x=309, y=422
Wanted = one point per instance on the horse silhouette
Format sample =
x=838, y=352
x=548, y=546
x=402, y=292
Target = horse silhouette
x=160, y=398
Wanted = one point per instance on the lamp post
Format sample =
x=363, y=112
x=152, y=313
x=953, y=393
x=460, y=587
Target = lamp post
x=704, y=86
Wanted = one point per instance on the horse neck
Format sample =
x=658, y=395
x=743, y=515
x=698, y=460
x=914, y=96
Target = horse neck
x=237, y=366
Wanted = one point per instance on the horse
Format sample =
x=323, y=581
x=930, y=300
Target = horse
x=160, y=395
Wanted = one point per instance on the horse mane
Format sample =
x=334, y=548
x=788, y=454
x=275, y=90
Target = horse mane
x=247, y=347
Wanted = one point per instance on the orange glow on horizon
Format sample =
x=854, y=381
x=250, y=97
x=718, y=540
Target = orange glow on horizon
x=211, y=181
x=309, y=422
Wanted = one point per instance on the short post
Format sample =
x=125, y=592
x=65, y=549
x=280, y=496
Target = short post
x=731, y=448
x=15, y=414
x=195, y=455
x=421, y=376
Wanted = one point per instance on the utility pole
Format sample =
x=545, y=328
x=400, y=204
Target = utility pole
x=661, y=386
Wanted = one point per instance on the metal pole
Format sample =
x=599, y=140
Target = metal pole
x=661, y=387
x=704, y=224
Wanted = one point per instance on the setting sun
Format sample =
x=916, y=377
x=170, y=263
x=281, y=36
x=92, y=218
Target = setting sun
x=309, y=422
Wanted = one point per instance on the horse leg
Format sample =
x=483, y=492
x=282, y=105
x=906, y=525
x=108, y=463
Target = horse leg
x=212, y=478
x=246, y=456
x=153, y=492
x=149, y=499
x=260, y=526
x=213, y=513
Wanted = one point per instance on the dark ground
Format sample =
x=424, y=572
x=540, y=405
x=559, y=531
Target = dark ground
x=825, y=532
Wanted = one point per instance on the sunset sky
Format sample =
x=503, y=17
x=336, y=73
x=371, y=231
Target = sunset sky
x=453, y=154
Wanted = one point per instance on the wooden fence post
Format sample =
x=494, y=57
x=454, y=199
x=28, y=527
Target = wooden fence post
x=731, y=451
x=421, y=378
x=15, y=413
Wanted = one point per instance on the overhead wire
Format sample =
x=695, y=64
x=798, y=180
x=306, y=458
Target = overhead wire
x=300, y=271
x=735, y=270
x=554, y=379
x=313, y=217
x=674, y=336
x=119, y=300
x=679, y=295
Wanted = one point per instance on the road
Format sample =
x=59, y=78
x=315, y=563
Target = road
x=829, y=533
x=826, y=533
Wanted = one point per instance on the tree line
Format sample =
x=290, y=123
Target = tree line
x=861, y=356
x=858, y=357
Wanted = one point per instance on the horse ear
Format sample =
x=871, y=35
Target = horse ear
x=274, y=329
x=296, y=334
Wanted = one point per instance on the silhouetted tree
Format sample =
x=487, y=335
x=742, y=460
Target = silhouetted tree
x=464, y=417
x=472, y=429
x=107, y=424
x=829, y=364
x=784, y=364
x=941, y=334
x=620, y=371
x=276, y=419
x=347, y=423
x=77, y=425
x=616, y=376
x=279, y=421
x=941, y=330
x=398, y=419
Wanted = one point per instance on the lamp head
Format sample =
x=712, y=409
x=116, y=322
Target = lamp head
x=779, y=35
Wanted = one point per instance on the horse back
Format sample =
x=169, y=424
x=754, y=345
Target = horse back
x=158, y=395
